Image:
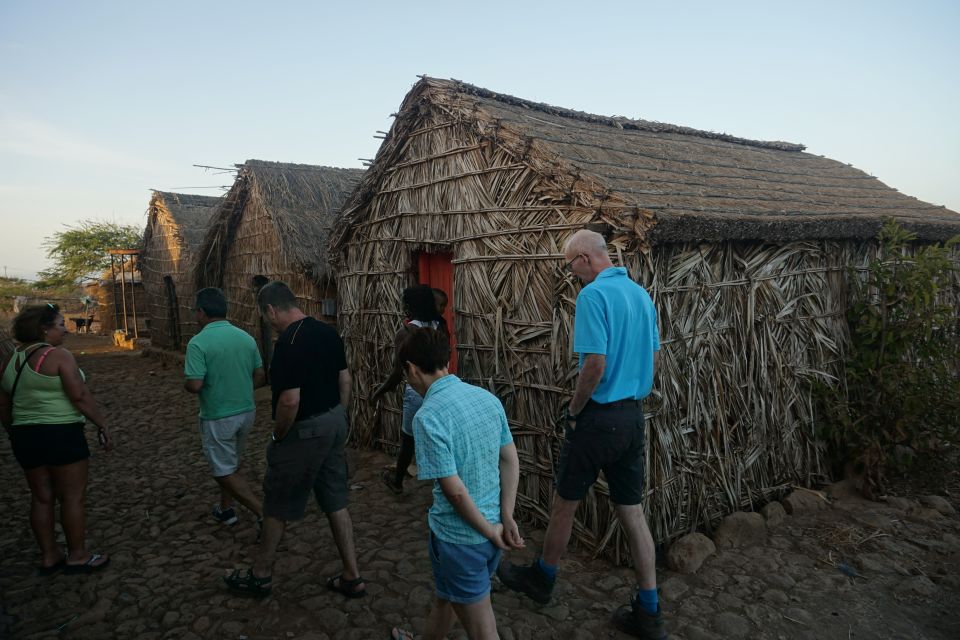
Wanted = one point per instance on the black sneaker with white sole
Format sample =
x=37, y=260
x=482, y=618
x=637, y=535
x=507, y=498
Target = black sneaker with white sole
x=225, y=516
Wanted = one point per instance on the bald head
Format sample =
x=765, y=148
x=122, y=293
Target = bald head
x=586, y=255
x=587, y=242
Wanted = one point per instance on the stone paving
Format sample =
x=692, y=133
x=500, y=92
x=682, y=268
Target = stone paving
x=854, y=569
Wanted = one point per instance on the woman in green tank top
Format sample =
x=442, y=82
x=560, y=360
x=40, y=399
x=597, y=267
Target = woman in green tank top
x=43, y=403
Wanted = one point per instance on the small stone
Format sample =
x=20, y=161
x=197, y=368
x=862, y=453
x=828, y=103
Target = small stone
x=775, y=595
x=773, y=513
x=730, y=625
x=673, y=588
x=920, y=585
x=558, y=612
x=939, y=503
x=609, y=583
x=201, y=624
x=740, y=529
x=687, y=554
x=803, y=501
x=169, y=619
x=923, y=514
x=901, y=504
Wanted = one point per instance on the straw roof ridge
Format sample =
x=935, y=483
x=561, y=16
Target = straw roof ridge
x=617, y=122
x=302, y=202
x=190, y=214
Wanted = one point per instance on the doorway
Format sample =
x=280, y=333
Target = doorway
x=436, y=270
x=172, y=312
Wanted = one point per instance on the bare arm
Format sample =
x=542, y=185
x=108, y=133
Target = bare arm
x=397, y=374
x=344, y=382
x=79, y=394
x=259, y=377
x=193, y=385
x=594, y=364
x=6, y=402
x=509, y=480
x=288, y=403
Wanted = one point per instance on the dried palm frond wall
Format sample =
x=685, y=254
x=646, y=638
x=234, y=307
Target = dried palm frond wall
x=745, y=326
x=273, y=225
x=7, y=344
x=176, y=224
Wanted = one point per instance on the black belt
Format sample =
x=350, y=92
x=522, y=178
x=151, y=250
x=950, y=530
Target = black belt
x=618, y=404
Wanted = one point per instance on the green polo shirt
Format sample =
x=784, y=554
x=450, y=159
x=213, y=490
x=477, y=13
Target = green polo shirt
x=224, y=357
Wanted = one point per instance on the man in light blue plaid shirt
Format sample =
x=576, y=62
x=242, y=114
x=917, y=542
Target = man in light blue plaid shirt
x=463, y=443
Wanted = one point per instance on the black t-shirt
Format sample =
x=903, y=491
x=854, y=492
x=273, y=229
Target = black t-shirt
x=308, y=356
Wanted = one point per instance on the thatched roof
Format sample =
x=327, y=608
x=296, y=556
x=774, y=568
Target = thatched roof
x=683, y=184
x=189, y=214
x=302, y=201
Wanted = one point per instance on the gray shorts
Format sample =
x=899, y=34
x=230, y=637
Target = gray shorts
x=222, y=440
x=309, y=458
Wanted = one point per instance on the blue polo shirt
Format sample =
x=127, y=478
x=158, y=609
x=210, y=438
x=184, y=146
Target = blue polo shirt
x=615, y=317
x=459, y=430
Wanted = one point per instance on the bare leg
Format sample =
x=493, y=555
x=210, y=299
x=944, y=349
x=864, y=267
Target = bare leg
x=342, y=528
x=440, y=620
x=478, y=620
x=41, y=514
x=70, y=486
x=404, y=457
x=558, y=529
x=272, y=534
x=634, y=522
x=236, y=486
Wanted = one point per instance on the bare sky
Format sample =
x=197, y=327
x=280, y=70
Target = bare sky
x=102, y=101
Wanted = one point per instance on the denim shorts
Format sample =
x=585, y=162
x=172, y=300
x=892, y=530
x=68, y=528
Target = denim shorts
x=411, y=404
x=462, y=572
x=608, y=438
x=222, y=441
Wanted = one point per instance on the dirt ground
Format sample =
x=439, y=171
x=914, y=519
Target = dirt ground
x=855, y=569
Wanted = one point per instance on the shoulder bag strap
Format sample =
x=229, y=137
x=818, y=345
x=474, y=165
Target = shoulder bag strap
x=26, y=364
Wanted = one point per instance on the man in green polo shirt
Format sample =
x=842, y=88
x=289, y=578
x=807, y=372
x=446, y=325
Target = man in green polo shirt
x=223, y=366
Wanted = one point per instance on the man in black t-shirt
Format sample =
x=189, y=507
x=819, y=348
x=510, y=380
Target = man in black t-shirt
x=311, y=388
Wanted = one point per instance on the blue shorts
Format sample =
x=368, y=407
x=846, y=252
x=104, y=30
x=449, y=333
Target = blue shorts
x=462, y=572
x=411, y=404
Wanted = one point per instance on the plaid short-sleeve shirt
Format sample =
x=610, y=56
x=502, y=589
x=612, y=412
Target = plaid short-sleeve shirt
x=459, y=431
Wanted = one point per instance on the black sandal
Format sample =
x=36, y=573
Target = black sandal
x=387, y=478
x=347, y=587
x=249, y=583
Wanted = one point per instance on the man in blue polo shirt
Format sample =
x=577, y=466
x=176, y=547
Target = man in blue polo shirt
x=223, y=366
x=464, y=444
x=615, y=333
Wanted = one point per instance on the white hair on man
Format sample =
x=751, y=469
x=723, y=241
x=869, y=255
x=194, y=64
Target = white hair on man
x=585, y=241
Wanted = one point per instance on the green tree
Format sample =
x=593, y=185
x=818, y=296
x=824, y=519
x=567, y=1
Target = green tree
x=903, y=368
x=81, y=250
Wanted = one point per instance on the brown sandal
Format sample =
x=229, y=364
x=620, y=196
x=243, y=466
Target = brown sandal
x=347, y=587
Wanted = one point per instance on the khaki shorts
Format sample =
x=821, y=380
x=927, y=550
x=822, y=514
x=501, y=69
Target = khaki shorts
x=309, y=458
x=222, y=440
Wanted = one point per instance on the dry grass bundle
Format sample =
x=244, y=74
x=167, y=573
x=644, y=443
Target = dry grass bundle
x=176, y=224
x=7, y=344
x=744, y=245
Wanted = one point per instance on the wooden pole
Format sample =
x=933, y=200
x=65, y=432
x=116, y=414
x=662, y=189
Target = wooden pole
x=113, y=290
x=123, y=294
x=133, y=298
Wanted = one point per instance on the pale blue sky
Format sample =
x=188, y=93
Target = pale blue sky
x=102, y=101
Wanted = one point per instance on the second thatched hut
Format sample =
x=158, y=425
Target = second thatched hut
x=176, y=224
x=744, y=245
x=273, y=224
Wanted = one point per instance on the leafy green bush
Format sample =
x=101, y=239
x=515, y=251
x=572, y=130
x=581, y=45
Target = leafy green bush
x=902, y=385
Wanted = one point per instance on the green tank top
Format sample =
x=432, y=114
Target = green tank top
x=39, y=399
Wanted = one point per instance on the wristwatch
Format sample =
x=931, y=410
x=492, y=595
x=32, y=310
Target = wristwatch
x=273, y=436
x=570, y=417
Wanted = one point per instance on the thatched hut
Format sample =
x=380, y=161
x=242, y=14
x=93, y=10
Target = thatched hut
x=273, y=224
x=176, y=224
x=744, y=246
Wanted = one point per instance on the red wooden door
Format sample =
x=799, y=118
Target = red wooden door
x=436, y=270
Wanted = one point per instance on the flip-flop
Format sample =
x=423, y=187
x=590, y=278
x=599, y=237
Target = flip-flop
x=347, y=587
x=89, y=566
x=400, y=634
x=52, y=569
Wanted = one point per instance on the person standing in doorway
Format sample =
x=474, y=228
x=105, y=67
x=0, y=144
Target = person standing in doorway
x=615, y=333
x=311, y=391
x=223, y=367
x=421, y=309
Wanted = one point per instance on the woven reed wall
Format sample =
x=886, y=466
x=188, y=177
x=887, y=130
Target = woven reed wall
x=255, y=251
x=166, y=254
